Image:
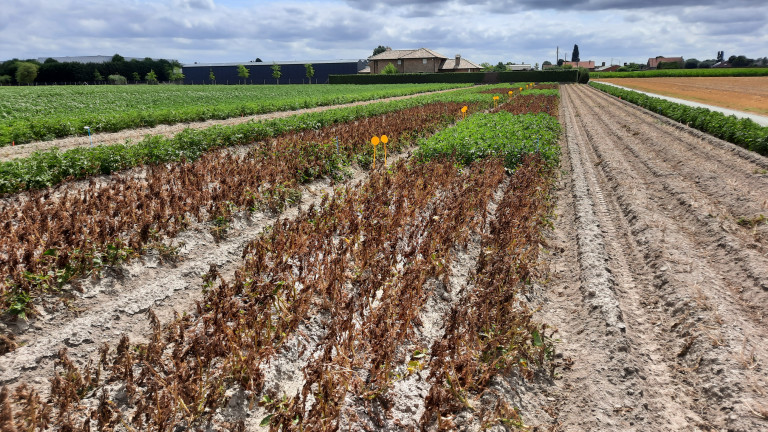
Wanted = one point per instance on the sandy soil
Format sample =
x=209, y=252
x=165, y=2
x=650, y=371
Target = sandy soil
x=739, y=93
x=136, y=135
x=657, y=289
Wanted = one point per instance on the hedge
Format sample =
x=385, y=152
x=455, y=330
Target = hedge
x=457, y=77
x=742, y=132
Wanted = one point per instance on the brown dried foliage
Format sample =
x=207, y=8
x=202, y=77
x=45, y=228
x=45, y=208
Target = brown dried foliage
x=531, y=104
x=492, y=331
x=45, y=242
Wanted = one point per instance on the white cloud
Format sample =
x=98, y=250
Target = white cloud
x=481, y=30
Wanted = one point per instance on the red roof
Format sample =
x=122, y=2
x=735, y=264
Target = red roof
x=585, y=64
x=653, y=63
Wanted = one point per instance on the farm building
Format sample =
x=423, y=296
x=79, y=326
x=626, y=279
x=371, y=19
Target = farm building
x=653, y=63
x=420, y=60
x=292, y=72
x=519, y=67
x=585, y=64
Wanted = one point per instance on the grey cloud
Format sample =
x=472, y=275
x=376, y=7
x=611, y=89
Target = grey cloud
x=195, y=4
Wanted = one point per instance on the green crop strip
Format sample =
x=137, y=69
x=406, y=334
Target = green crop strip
x=52, y=167
x=502, y=134
x=48, y=112
x=742, y=132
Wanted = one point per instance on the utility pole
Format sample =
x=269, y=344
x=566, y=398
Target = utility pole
x=557, y=59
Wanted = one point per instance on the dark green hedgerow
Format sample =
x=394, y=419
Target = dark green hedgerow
x=743, y=132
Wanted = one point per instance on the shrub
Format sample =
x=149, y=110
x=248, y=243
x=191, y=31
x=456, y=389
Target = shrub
x=583, y=75
x=389, y=69
x=117, y=80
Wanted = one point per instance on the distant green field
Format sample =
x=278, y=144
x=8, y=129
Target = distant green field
x=727, y=72
x=48, y=112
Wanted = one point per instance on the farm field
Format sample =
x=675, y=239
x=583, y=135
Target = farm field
x=42, y=113
x=718, y=72
x=538, y=265
x=660, y=274
x=377, y=266
x=739, y=93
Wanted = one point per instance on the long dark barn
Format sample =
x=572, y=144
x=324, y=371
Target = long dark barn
x=261, y=73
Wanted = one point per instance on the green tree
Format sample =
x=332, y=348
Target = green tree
x=500, y=67
x=691, y=63
x=243, y=72
x=136, y=77
x=486, y=66
x=117, y=58
x=276, y=74
x=379, y=49
x=97, y=76
x=175, y=75
x=151, y=77
x=26, y=73
x=211, y=76
x=5, y=79
x=310, y=71
x=575, y=54
x=258, y=60
x=536, y=66
x=389, y=69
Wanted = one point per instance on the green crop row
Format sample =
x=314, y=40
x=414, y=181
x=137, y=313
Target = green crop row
x=47, y=112
x=743, y=132
x=52, y=167
x=501, y=134
x=718, y=72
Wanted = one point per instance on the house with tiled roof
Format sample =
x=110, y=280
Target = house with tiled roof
x=653, y=63
x=585, y=64
x=422, y=60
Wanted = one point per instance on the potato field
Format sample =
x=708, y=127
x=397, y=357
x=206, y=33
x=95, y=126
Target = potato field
x=516, y=257
x=367, y=278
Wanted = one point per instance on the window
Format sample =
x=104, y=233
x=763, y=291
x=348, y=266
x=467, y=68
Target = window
x=423, y=61
x=399, y=62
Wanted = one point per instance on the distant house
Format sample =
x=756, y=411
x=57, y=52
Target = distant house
x=653, y=63
x=585, y=64
x=722, y=64
x=604, y=68
x=422, y=60
x=519, y=67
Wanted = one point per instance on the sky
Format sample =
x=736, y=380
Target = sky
x=518, y=31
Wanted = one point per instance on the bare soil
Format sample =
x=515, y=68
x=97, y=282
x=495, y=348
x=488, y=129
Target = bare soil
x=136, y=135
x=658, y=283
x=739, y=93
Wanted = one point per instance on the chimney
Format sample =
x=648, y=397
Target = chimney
x=458, y=61
x=603, y=63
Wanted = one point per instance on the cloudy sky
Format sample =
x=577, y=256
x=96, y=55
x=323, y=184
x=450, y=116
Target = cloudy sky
x=520, y=31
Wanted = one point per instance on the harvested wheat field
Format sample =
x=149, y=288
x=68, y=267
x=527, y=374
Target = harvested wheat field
x=740, y=93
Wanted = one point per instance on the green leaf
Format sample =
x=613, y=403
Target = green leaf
x=537, y=338
x=51, y=252
x=266, y=420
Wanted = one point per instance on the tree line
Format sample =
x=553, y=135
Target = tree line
x=118, y=71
